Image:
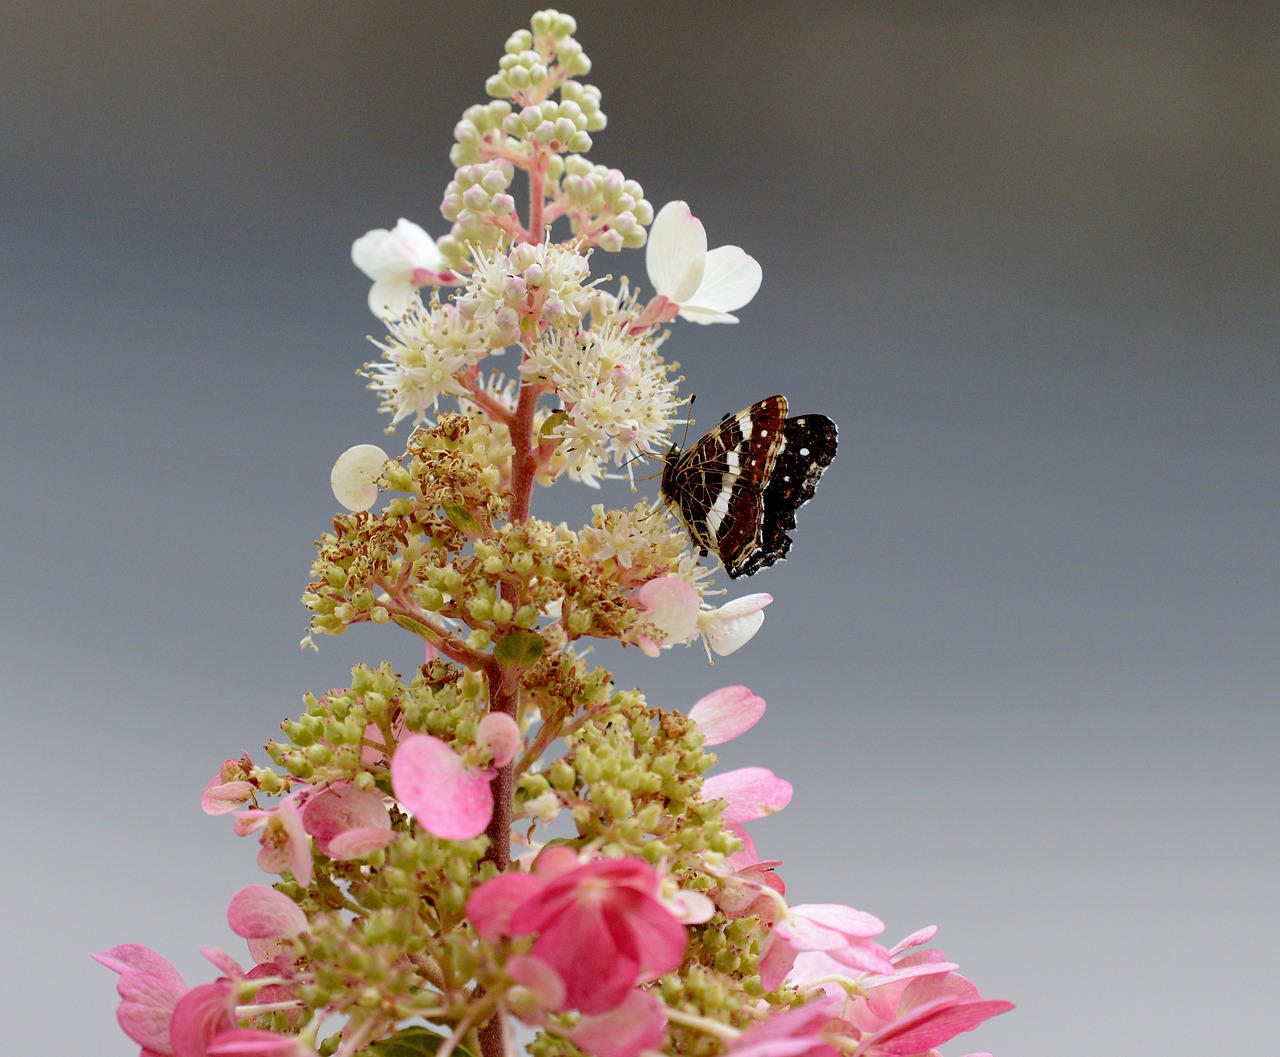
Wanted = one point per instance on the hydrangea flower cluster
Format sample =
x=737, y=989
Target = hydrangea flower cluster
x=506, y=844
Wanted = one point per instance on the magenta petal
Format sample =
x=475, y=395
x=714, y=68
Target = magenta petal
x=639, y=1023
x=444, y=796
x=596, y=975
x=725, y=713
x=263, y=913
x=655, y=936
x=749, y=793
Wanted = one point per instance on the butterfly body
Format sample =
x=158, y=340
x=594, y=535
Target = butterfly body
x=738, y=488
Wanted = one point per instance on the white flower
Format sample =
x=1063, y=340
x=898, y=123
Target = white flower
x=355, y=475
x=398, y=261
x=672, y=614
x=706, y=285
x=426, y=352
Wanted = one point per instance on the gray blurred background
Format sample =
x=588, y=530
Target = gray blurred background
x=1022, y=665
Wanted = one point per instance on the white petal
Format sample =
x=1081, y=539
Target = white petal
x=366, y=252
x=731, y=278
x=733, y=633
x=694, y=314
x=420, y=248
x=354, y=477
x=677, y=252
x=392, y=297
x=732, y=625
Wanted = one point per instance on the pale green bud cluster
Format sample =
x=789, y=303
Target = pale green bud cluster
x=481, y=126
x=561, y=126
x=609, y=197
x=476, y=200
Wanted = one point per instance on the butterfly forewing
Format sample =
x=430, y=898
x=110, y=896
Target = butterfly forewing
x=738, y=488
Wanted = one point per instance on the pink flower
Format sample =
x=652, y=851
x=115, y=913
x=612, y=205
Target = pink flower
x=930, y=1010
x=840, y=931
x=601, y=926
x=229, y=788
x=149, y=989
x=672, y=613
x=346, y=822
x=159, y=1012
x=285, y=845
x=450, y=798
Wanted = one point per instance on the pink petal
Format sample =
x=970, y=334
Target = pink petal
x=540, y=979
x=776, y=961
x=918, y=937
x=263, y=913
x=220, y=798
x=149, y=989
x=253, y=1042
x=554, y=861
x=670, y=607
x=500, y=735
x=725, y=713
x=201, y=1014
x=657, y=939
x=444, y=796
x=639, y=1023
x=747, y=854
x=492, y=904
x=359, y=843
x=749, y=792
x=932, y=1025
x=596, y=975
x=838, y=918
x=223, y=962
x=338, y=809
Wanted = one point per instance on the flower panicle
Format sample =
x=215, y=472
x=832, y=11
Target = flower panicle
x=505, y=835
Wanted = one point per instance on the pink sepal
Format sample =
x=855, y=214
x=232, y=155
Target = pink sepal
x=448, y=799
x=725, y=713
x=638, y=1023
x=263, y=913
x=748, y=792
x=201, y=1014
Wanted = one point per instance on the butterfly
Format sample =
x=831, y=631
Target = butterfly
x=737, y=490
